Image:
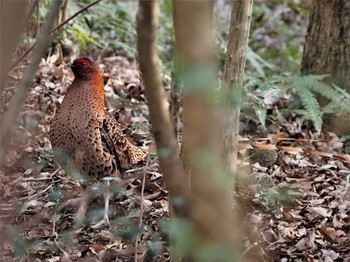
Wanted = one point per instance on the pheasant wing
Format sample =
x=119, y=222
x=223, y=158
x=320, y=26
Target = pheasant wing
x=127, y=153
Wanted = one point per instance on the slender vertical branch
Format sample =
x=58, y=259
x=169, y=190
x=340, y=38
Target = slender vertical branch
x=169, y=160
x=37, y=19
x=32, y=9
x=65, y=10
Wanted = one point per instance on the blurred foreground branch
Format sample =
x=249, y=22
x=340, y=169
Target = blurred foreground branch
x=15, y=105
x=12, y=17
x=202, y=146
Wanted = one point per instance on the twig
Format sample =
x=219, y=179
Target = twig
x=37, y=19
x=30, y=179
x=139, y=168
x=145, y=168
x=23, y=55
x=133, y=170
x=65, y=9
x=245, y=252
x=73, y=16
x=52, y=31
x=35, y=179
x=65, y=256
x=16, y=102
x=35, y=195
x=347, y=184
x=152, y=196
x=64, y=15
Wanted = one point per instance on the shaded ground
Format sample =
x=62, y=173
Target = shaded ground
x=299, y=205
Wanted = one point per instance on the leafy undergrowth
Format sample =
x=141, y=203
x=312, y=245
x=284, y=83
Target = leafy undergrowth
x=297, y=208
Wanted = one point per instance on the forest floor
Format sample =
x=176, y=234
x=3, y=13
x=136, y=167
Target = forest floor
x=297, y=207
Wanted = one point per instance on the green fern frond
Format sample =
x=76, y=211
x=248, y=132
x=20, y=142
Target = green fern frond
x=261, y=114
x=309, y=101
x=335, y=94
x=269, y=91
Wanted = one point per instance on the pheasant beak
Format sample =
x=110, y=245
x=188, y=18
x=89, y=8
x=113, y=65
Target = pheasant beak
x=70, y=65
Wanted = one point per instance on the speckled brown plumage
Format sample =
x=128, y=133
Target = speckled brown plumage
x=85, y=132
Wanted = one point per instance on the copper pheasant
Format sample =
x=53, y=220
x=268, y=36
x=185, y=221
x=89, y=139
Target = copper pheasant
x=86, y=134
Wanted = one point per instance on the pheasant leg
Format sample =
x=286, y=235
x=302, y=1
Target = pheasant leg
x=85, y=197
x=105, y=220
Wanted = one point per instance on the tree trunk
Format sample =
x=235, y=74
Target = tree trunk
x=327, y=46
x=202, y=146
x=327, y=51
x=234, y=75
x=233, y=78
x=176, y=101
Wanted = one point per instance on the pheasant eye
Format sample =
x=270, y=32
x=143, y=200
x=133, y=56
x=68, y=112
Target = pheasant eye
x=83, y=64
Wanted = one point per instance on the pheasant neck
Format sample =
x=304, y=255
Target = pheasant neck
x=88, y=92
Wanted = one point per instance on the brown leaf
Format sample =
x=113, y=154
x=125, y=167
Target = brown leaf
x=308, y=242
x=329, y=234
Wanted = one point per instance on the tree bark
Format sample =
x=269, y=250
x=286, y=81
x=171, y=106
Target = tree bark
x=327, y=51
x=175, y=103
x=234, y=75
x=327, y=46
x=202, y=146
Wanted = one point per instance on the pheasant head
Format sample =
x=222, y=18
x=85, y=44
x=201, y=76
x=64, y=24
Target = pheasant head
x=84, y=68
x=88, y=79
